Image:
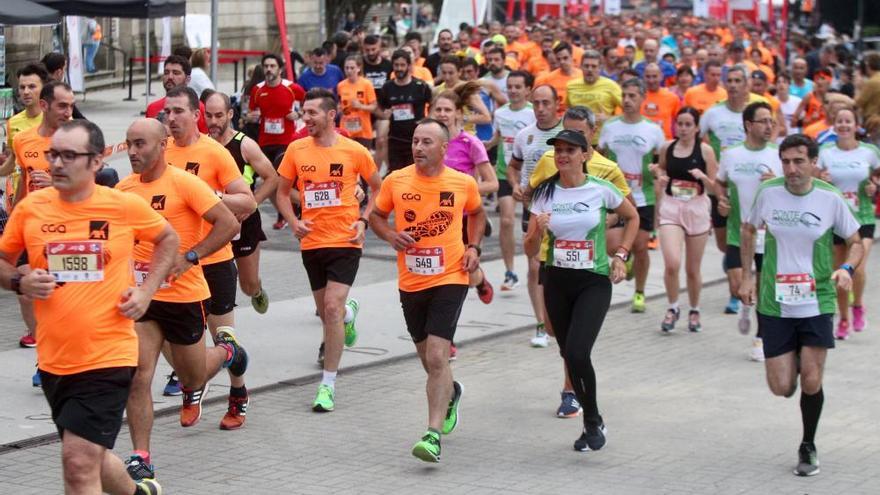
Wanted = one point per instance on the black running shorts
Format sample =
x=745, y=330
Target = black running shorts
x=222, y=278
x=781, y=335
x=337, y=264
x=865, y=232
x=250, y=237
x=646, y=218
x=734, y=258
x=181, y=323
x=718, y=221
x=433, y=311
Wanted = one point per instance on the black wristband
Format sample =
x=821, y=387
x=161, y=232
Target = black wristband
x=365, y=221
x=477, y=248
x=15, y=284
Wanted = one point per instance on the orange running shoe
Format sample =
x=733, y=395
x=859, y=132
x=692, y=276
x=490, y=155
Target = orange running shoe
x=191, y=412
x=235, y=415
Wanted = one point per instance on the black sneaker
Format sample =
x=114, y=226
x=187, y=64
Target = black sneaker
x=593, y=438
x=808, y=460
x=321, y=355
x=138, y=469
x=694, y=321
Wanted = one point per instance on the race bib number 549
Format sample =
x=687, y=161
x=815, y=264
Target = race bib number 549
x=424, y=261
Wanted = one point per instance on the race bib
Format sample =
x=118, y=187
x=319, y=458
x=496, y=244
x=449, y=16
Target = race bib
x=634, y=180
x=273, y=126
x=402, y=111
x=76, y=261
x=684, y=189
x=323, y=194
x=141, y=270
x=573, y=254
x=795, y=288
x=352, y=124
x=760, y=239
x=852, y=199
x=424, y=261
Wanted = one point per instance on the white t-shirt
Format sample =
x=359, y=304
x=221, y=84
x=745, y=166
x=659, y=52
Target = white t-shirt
x=788, y=107
x=508, y=122
x=199, y=81
x=501, y=83
x=529, y=146
x=850, y=171
x=742, y=168
x=633, y=146
x=723, y=126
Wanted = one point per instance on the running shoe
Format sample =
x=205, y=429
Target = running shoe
x=808, y=460
x=653, y=242
x=452, y=416
x=745, y=320
x=235, y=414
x=351, y=334
x=280, y=224
x=321, y=354
x=485, y=290
x=324, y=399
x=694, y=321
x=172, y=388
x=541, y=339
x=260, y=301
x=36, y=381
x=191, y=412
x=428, y=448
x=593, y=438
x=149, y=487
x=453, y=352
x=756, y=353
x=27, y=341
x=569, y=407
x=638, y=304
x=670, y=319
x=732, y=307
x=842, y=332
x=629, y=268
x=138, y=469
x=511, y=281
x=859, y=320
x=238, y=363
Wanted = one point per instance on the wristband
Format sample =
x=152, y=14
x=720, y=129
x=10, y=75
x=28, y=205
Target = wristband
x=849, y=268
x=15, y=284
x=477, y=248
x=365, y=222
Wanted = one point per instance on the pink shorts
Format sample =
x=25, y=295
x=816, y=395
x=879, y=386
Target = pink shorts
x=691, y=215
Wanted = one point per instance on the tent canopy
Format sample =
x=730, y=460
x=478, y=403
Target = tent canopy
x=132, y=9
x=17, y=12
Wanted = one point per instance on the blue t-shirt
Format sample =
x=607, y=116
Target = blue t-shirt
x=331, y=77
x=666, y=68
x=801, y=91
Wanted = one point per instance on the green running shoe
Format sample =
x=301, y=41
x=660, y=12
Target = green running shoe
x=451, y=420
x=351, y=334
x=638, y=304
x=428, y=448
x=260, y=301
x=324, y=399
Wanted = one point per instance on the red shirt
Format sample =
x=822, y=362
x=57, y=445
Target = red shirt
x=157, y=106
x=274, y=104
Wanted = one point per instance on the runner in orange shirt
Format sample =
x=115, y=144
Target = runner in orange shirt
x=176, y=313
x=704, y=96
x=80, y=240
x=357, y=100
x=560, y=77
x=811, y=108
x=430, y=200
x=326, y=167
x=210, y=161
x=660, y=105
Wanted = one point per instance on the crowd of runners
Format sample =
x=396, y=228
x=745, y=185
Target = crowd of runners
x=615, y=136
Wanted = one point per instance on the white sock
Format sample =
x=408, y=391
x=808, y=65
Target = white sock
x=329, y=379
x=695, y=308
x=349, y=314
x=674, y=306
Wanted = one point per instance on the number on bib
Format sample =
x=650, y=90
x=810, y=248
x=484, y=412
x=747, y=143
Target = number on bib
x=760, y=240
x=795, y=288
x=141, y=270
x=424, y=261
x=684, y=189
x=76, y=261
x=402, y=111
x=273, y=126
x=573, y=254
x=323, y=194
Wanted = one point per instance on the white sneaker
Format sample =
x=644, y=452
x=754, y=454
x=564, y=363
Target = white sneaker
x=756, y=353
x=745, y=321
x=541, y=339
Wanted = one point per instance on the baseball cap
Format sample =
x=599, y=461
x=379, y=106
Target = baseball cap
x=759, y=74
x=571, y=137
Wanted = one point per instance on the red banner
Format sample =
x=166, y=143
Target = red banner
x=281, y=17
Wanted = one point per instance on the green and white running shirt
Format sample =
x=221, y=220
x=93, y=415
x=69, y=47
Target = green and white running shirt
x=798, y=258
x=742, y=168
x=529, y=146
x=509, y=122
x=633, y=146
x=577, y=224
x=850, y=171
x=723, y=126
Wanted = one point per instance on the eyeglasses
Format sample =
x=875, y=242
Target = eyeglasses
x=67, y=156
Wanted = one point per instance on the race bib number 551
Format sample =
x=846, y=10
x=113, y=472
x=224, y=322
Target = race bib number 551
x=76, y=261
x=573, y=254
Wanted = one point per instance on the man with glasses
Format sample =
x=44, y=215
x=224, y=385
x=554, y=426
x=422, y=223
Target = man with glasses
x=80, y=239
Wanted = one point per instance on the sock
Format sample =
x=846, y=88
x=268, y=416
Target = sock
x=540, y=326
x=349, y=314
x=329, y=379
x=695, y=308
x=811, y=409
x=238, y=391
x=144, y=455
x=674, y=306
x=640, y=292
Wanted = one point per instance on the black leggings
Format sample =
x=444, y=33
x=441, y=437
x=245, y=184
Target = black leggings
x=577, y=301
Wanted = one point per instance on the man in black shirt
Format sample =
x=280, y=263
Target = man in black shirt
x=403, y=101
x=376, y=68
x=444, y=48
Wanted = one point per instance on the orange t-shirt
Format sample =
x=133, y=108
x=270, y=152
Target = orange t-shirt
x=813, y=130
x=559, y=81
x=29, y=146
x=80, y=328
x=577, y=55
x=356, y=122
x=430, y=210
x=182, y=199
x=813, y=111
x=702, y=99
x=213, y=164
x=326, y=177
x=538, y=65
x=660, y=107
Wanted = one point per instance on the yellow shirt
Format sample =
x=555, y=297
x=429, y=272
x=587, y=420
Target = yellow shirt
x=602, y=97
x=21, y=122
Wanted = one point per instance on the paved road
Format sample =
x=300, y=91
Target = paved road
x=686, y=413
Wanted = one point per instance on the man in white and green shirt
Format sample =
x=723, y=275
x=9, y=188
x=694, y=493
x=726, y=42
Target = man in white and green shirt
x=742, y=169
x=797, y=285
x=633, y=142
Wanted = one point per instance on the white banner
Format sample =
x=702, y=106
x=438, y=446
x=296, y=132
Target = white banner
x=166, y=42
x=701, y=8
x=454, y=12
x=612, y=7
x=74, y=54
x=198, y=30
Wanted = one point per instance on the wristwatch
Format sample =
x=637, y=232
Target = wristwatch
x=849, y=268
x=15, y=284
x=623, y=254
x=192, y=257
x=476, y=248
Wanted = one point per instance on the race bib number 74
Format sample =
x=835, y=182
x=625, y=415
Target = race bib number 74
x=795, y=288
